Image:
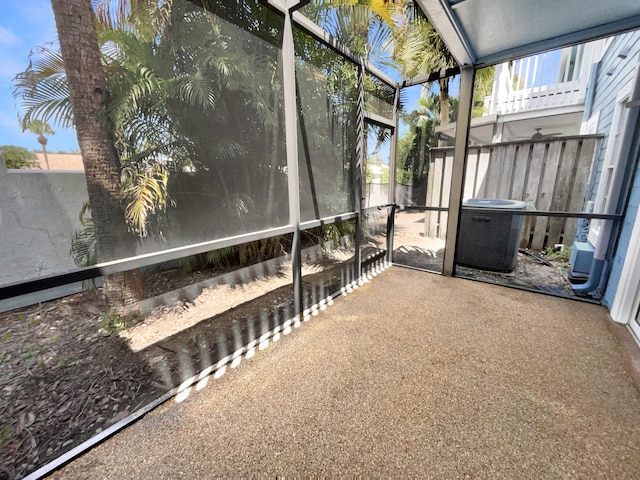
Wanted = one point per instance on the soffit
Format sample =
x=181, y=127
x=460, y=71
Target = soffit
x=486, y=32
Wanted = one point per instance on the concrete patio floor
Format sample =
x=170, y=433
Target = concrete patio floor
x=413, y=375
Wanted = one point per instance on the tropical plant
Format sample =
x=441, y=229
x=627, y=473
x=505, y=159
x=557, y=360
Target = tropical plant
x=42, y=90
x=414, y=145
x=418, y=49
x=40, y=128
x=145, y=193
x=83, y=242
x=86, y=80
x=173, y=74
x=18, y=157
x=364, y=26
x=245, y=254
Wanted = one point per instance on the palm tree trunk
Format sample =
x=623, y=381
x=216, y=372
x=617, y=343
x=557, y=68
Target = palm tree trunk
x=80, y=50
x=46, y=158
x=444, y=106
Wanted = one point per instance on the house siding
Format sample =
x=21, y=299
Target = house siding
x=614, y=73
x=607, y=89
x=623, y=243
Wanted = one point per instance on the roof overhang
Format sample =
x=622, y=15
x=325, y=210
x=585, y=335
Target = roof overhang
x=487, y=32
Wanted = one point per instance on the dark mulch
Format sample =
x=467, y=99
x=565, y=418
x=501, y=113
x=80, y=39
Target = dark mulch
x=64, y=378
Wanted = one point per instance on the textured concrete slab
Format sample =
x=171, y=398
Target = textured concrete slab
x=413, y=375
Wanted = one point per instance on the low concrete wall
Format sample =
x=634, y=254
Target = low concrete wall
x=376, y=194
x=38, y=216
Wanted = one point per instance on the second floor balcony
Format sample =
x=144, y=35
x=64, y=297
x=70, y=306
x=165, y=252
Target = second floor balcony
x=553, y=79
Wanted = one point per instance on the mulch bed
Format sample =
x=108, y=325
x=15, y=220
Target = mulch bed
x=64, y=378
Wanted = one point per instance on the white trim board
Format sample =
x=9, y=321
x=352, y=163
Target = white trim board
x=625, y=302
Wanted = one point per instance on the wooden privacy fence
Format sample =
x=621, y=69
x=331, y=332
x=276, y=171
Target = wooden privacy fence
x=550, y=175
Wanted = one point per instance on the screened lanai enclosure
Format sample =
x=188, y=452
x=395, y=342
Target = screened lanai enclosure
x=241, y=163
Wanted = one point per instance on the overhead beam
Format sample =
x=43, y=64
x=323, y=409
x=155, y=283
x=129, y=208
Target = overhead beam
x=431, y=77
x=441, y=17
x=379, y=120
x=560, y=41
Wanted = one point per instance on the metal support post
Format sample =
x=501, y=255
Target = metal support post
x=467, y=75
x=357, y=173
x=291, y=133
x=394, y=148
x=390, y=228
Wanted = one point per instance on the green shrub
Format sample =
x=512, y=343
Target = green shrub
x=18, y=157
x=114, y=323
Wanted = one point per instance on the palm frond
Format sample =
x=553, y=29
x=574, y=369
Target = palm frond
x=83, y=241
x=238, y=204
x=227, y=149
x=43, y=91
x=144, y=193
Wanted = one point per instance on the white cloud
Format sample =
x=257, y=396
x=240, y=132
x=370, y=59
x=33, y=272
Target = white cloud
x=7, y=37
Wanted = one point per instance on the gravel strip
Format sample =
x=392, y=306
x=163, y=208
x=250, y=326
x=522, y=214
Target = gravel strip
x=413, y=375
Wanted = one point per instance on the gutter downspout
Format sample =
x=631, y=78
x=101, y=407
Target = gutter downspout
x=596, y=278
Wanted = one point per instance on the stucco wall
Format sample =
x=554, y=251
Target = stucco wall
x=38, y=215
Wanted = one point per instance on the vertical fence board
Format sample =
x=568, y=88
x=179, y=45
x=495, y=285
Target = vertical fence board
x=520, y=172
x=470, y=175
x=548, y=175
x=436, y=189
x=481, y=177
x=430, y=176
x=586, y=151
x=545, y=195
x=561, y=191
x=520, y=175
x=444, y=199
x=506, y=171
x=493, y=172
x=429, y=197
x=533, y=182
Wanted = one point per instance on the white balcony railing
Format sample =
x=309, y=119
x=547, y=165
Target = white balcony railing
x=547, y=80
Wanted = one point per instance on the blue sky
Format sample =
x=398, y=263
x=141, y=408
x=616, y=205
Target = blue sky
x=24, y=24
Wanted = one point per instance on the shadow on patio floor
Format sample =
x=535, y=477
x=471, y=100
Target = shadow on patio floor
x=413, y=375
